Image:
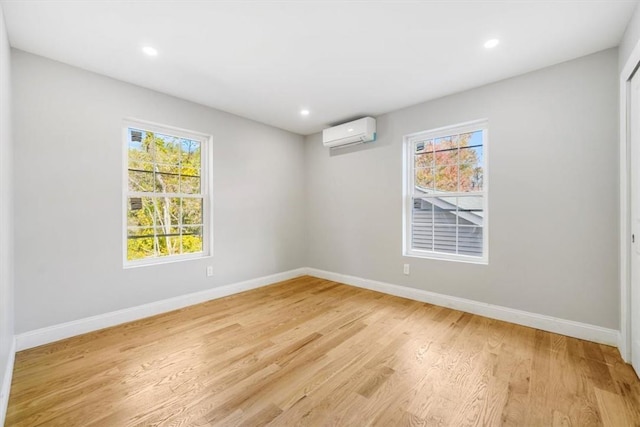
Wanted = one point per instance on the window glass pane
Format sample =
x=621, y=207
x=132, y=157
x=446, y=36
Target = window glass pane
x=423, y=160
x=444, y=238
x=423, y=156
x=190, y=156
x=471, y=178
x=471, y=210
x=139, y=248
x=167, y=149
x=471, y=163
x=422, y=237
x=140, y=166
x=471, y=155
x=446, y=178
x=191, y=210
x=191, y=239
x=445, y=143
x=470, y=240
x=140, y=211
x=444, y=213
x=425, y=146
x=422, y=225
x=140, y=181
x=140, y=232
x=419, y=191
x=471, y=139
x=190, y=184
x=168, y=241
x=167, y=178
x=446, y=150
x=424, y=178
x=167, y=212
x=137, y=149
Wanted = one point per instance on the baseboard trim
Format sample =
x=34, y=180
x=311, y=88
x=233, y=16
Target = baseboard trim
x=54, y=333
x=6, y=382
x=539, y=321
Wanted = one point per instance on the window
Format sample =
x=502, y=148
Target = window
x=445, y=212
x=167, y=200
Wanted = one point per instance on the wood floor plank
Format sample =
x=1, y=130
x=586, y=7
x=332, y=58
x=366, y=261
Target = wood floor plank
x=612, y=409
x=310, y=351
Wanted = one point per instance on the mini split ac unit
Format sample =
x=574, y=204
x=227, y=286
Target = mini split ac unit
x=355, y=132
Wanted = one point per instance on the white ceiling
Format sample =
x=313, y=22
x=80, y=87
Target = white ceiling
x=266, y=60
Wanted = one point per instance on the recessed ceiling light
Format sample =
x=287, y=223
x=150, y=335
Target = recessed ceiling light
x=148, y=50
x=304, y=112
x=490, y=44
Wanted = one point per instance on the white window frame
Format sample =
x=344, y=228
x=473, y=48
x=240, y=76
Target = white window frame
x=206, y=185
x=409, y=190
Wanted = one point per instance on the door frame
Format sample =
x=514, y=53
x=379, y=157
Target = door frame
x=627, y=72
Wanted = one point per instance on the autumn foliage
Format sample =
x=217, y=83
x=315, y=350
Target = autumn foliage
x=449, y=164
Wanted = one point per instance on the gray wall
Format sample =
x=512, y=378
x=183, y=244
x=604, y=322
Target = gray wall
x=6, y=204
x=629, y=39
x=553, y=201
x=68, y=189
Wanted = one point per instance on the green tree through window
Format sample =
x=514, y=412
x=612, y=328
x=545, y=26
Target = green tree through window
x=165, y=200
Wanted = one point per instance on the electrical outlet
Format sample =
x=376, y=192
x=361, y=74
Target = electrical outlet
x=406, y=269
x=210, y=271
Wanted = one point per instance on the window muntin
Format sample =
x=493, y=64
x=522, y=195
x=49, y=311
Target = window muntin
x=166, y=197
x=445, y=193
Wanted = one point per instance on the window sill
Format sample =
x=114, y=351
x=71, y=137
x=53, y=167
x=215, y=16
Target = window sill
x=441, y=256
x=165, y=260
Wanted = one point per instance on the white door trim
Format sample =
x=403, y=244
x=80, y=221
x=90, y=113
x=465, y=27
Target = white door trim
x=625, y=227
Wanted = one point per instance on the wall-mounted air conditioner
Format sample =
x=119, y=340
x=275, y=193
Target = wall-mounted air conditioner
x=355, y=132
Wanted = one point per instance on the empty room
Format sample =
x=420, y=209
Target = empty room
x=319, y=213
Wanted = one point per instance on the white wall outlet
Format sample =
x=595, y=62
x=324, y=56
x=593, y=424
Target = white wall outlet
x=406, y=269
x=210, y=271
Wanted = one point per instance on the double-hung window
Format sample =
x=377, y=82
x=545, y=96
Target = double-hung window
x=445, y=193
x=167, y=194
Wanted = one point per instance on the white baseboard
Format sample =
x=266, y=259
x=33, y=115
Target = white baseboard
x=539, y=321
x=6, y=382
x=89, y=324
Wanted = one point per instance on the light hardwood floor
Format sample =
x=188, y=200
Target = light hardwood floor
x=313, y=352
